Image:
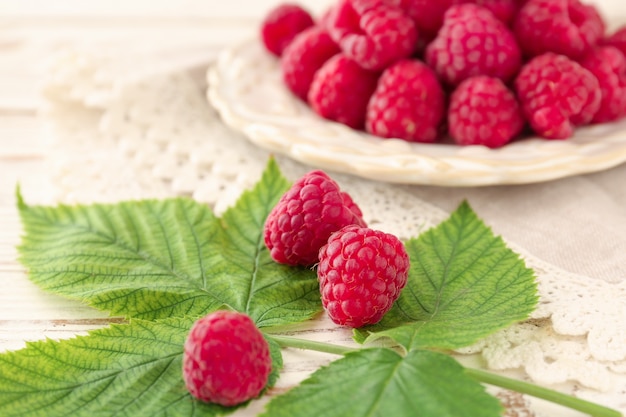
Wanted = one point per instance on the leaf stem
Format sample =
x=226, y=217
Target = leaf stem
x=537, y=391
x=294, y=342
x=485, y=377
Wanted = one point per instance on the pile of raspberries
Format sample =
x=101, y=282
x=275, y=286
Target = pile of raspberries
x=475, y=72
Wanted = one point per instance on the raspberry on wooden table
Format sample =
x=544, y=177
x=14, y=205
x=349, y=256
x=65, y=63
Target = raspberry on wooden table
x=226, y=359
x=372, y=33
x=305, y=216
x=608, y=64
x=483, y=111
x=341, y=90
x=472, y=41
x=304, y=56
x=565, y=27
x=409, y=103
x=557, y=94
x=361, y=274
x=282, y=24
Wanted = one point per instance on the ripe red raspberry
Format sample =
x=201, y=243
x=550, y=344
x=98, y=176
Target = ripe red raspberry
x=361, y=274
x=341, y=90
x=226, y=360
x=305, y=216
x=427, y=15
x=483, y=111
x=557, y=94
x=617, y=39
x=409, y=103
x=565, y=27
x=304, y=56
x=504, y=10
x=472, y=41
x=608, y=64
x=282, y=24
x=372, y=33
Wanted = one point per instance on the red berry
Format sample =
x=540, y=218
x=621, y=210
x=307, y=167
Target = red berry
x=361, y=274
x=305, y=216
x=427, y=15
x=409, y=103
x=372, y=33
x=617, y=39
x=483, y=111
x=282, y=24
x=608, y=64
x=557, y=94
x=340, y=91
x=565, y=27
x=226, y=359
x=304, y=56
x=504, y=10
x=472, y=41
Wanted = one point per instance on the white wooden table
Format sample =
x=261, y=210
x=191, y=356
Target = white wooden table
x=30, y=31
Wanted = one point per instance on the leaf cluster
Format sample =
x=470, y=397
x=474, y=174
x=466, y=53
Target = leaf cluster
x=162, y=264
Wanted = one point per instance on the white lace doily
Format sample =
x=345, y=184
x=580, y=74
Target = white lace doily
x=118, y=132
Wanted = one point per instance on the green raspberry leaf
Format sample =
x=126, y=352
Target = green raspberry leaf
x=381, y=383
x=271, y=293
x=124, y=370
x=155, y=259
x=464, y=284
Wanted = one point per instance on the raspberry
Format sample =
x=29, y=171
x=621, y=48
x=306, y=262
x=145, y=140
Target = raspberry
x=372, y=33
x=608, y=64
x=504, y=10
x=472, y=41
x=361, y=274
x=282, y=24
x=303, y=57
x=409, y=103
x=565, y=27
x=305, y=216
x=340, y=91
x=226, y=360
x=617, y=39
x=427, y=15
x=557, y=94
x=483, y=111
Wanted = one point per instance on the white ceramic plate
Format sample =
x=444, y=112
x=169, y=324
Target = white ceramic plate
x=246, y=88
